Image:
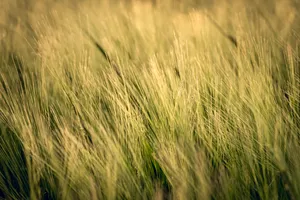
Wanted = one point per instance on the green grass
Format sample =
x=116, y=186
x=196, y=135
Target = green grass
x=134, y=101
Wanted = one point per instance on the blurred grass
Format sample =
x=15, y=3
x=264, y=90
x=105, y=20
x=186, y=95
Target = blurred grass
x=174, y=110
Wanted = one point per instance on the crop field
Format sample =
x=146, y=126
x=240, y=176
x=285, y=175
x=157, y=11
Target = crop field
x=161, y=99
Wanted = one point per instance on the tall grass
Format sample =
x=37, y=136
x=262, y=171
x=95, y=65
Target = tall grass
x=185, y=103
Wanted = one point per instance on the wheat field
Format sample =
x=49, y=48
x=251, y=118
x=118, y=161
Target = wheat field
x=155, y=100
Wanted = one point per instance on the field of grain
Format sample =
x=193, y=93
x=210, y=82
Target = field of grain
x=152, y=99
